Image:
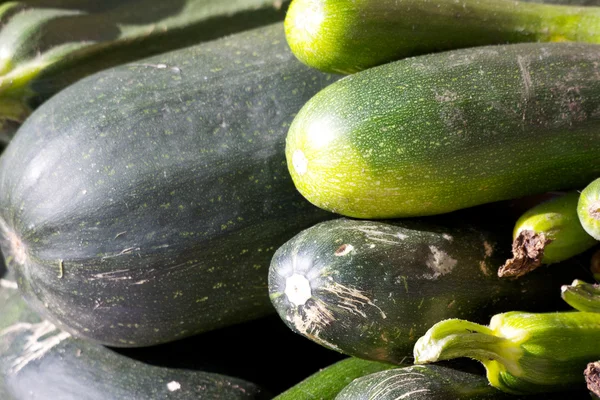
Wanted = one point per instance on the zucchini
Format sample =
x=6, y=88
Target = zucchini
x=446, y=131
x=522, y=353
x=47, y=46
x=588, y=209
x=328, y=382
x=38, y=361
x=433, y=382
x=143, y=204
x=548, y=233
x=347, y=36
x=369, y=289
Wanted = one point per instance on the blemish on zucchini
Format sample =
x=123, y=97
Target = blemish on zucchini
x=8, y=284
x=439, y=262
x=528, y=252
x=173, y=386
x=61, y=269
x=343, y=250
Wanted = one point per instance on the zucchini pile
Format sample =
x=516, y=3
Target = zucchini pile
x=406, y=184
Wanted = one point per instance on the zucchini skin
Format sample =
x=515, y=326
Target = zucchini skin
x=433, y=382
x=328, y=382
x=142, y=205
x=446, y=131
x=48, y=46
x=38, y=361
x=347, y=36
x=369, y=289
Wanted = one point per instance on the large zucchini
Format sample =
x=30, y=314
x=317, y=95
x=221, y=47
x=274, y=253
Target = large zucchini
x=38, y=361
x=47, y=45
x=451, y=130
x=369, y=289
x=143, y=204
x=347, y=36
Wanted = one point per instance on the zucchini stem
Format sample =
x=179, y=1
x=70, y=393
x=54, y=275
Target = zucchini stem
x=582, y=296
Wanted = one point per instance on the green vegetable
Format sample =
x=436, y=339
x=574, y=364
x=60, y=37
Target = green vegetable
x=142, y=205
x=588, y=209
x=346, y=36
x=46, y=45
x=547, y=233
x=521, y=352
x=369, y=289
x=38, y=361
x=432, y=382
x=582, y=296
x=328, y=382
x=441, y=132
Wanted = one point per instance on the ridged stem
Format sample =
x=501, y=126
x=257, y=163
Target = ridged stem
x=582, y=296
x=522, y=352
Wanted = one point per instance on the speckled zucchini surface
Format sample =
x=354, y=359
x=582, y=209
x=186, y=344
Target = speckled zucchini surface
x=446, y=131
x=369, y=289
x=143, y=204
x=40, y=362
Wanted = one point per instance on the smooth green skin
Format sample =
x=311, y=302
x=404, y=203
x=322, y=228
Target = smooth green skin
x=522, y=352
x=588, y=206
x=582, y=296
x=347, y=36
x=143, y=204
x=433, y=382
x=557, y=219
x=446, y=131
x=328, y=382
x=38, y=361
x=393, y=280
x=47, y=44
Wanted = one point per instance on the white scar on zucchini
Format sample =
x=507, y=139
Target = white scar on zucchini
x=35, y=348
x=8, y=284
x=439, y=262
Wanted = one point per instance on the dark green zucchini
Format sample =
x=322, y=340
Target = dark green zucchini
x=432, y=382
x=369, y=289
x=48, y=44
x=446, y=131
x=144, y=203
x=346, y=36
x=38, y=361
x=328, y=382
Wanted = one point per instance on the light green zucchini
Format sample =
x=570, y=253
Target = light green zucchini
x=441, y=132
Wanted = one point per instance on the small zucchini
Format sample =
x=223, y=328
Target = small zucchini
x=328, y=382
x=549, y=232
x=432, y=382
x=346, y=36
x=588, y=209
x=441, y=132
x=369, y=289
x=522, y=352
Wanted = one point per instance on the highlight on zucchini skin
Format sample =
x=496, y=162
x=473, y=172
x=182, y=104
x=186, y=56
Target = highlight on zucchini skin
x=47, y=45
x=582, y=296
x=548, y=233
x=522, y=352
x=347, y=36
x=434, y=382
x=588, y=209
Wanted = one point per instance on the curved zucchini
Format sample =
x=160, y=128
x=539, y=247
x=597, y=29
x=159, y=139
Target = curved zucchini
x=48, y=45
x=433, y=382
x=446, y=131
x=38, y=361
x=369, y=289
x=548, y=233
x=347, y=36
x=143, y=204
x=588, y=209
x=328, y=382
